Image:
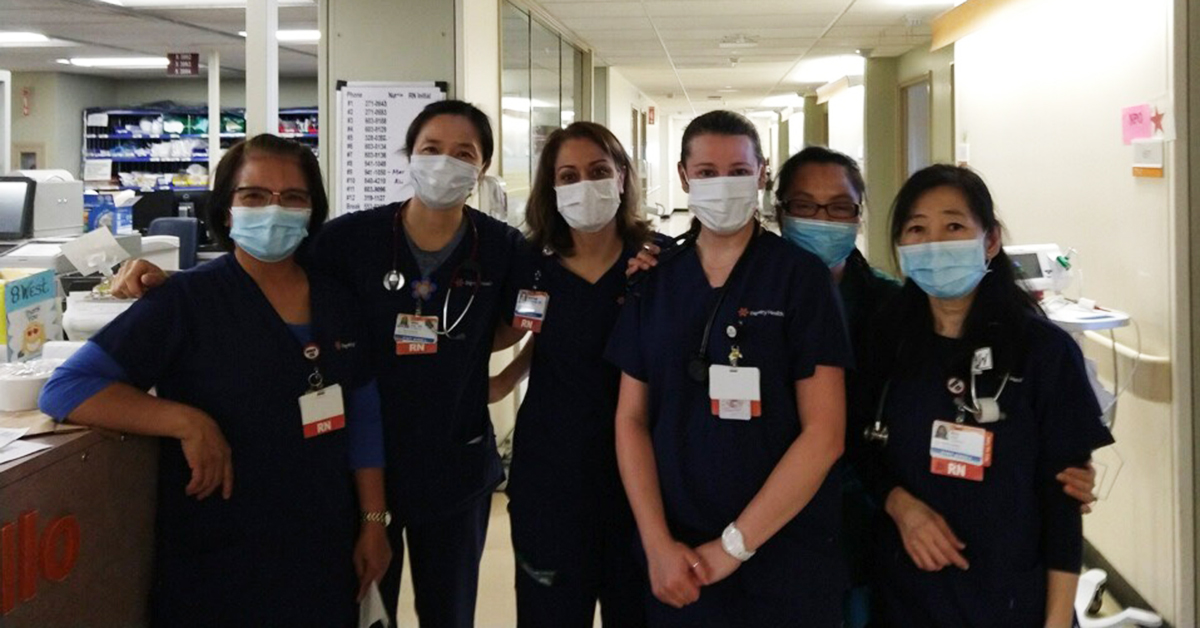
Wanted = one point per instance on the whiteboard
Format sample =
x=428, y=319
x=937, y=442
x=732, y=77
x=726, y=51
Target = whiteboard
x=373, y=119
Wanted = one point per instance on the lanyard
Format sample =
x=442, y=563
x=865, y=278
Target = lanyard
x=697, y=367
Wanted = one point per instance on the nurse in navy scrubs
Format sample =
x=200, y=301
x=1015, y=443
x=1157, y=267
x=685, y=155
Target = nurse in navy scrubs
x=258, y=364
x=983, y=401
x=732, y=408
x=430, y=274
x=572, y=530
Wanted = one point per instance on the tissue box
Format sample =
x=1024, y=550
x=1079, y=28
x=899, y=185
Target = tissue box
x=30, y=315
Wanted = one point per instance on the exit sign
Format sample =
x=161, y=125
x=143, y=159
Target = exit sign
x=183, y=63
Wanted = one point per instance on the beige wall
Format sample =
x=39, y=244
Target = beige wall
x=293, y=92
x=55, y=119
x=1042, y=120
x=881, y=163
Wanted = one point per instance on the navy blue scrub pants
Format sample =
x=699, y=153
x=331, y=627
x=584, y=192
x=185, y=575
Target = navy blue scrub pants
x=444, y=554
x=565, y=567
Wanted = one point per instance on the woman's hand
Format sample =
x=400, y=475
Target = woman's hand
x=207, y=454
x=673, y=576
x=135, y=278
x=372, y=555
x=715, y=563
x=646, y=259
x=1080, y=483
x=928, y=540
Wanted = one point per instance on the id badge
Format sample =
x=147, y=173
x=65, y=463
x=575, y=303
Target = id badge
x=531, y=310
x=416, y=335
x=322, y=411
x=734, y=392
x=959, y=451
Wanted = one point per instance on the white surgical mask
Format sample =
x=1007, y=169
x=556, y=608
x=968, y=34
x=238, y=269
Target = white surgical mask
x=589, y=205
x=723, y=204
x=441, y=181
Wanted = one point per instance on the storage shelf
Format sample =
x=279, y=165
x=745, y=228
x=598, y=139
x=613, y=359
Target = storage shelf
x=142, y=160
x=152, y=136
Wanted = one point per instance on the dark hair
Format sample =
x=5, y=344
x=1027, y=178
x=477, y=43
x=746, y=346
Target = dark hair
x=477, y=118
x=721, y=122
x=547, y=228
x=1001, y=309
x=226, y=179
x=818, y=155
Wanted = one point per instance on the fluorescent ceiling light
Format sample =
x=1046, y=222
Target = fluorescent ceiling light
x=16, y=37
x=826, y=69
x=783, y=100
x=925, y=3
x=197, y=4
x=139, y=63
x=301, y=36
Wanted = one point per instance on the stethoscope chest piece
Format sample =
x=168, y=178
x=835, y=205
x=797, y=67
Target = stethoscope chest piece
x=876, y=434
x=393, y=280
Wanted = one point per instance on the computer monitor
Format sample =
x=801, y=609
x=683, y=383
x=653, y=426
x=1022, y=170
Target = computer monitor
x=192, y=204
x=16, y=207
x=153, y=205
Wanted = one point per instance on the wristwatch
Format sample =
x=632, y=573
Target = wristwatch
x=382, y=517
x=734, y=544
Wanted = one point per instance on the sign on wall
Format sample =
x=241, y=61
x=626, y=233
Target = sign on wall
x=373, y=119
x=183, y=63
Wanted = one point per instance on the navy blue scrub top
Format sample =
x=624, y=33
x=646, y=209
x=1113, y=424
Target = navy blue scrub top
x=1017, y=522
x=564, y=446
x=280, y=550
x=783, y=302
x=440, y=447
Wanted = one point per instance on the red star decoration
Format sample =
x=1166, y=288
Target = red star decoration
x=1157, y=119
x=743, y=312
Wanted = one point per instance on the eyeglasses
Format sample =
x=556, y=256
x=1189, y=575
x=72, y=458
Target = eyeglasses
x=261, y=197
x=807, y=209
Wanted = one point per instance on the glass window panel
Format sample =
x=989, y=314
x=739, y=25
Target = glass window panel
x=546, y=87
x=572, y=83
x=516, y=153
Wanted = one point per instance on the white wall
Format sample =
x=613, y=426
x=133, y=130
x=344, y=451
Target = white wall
x=1042, y=118
x=623, y=98
x=846, y=122
x=677, y=198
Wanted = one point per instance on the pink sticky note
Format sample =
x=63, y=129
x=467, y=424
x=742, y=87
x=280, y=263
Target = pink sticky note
x=1136, y=123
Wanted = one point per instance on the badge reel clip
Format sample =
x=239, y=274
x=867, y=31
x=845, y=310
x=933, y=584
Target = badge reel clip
x=985, y=410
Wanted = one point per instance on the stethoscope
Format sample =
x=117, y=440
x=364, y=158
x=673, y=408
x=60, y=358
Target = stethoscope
x=394, y=280
x=985, y=410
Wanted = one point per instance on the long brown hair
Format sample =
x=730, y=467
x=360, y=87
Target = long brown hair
x=546, y=227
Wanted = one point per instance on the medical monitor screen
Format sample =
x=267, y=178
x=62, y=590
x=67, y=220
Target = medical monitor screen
x=1026, y=266
x=14, y=199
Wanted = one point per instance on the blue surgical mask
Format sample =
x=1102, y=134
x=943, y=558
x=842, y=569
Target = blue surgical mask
x=946, y=270
x=831, y=241
x=270, y=233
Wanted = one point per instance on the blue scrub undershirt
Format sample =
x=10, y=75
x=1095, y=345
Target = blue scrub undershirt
x=92, y=369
